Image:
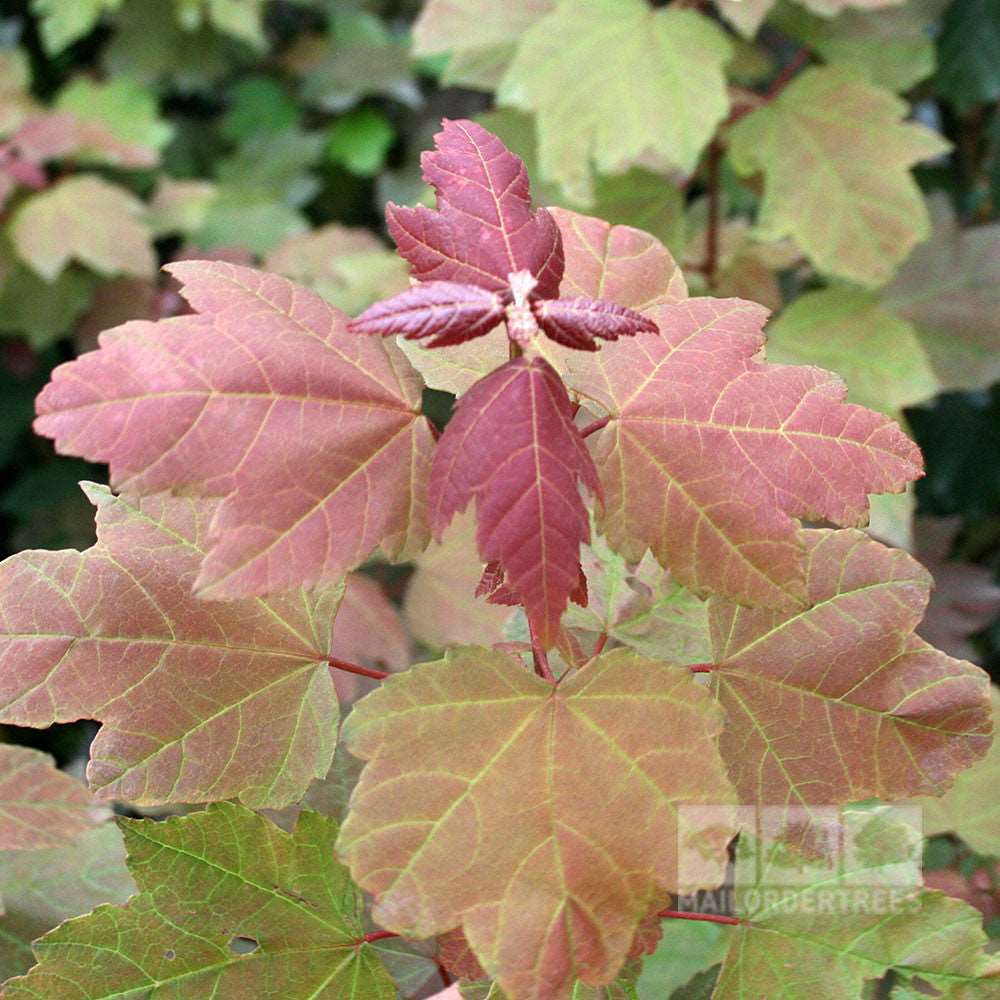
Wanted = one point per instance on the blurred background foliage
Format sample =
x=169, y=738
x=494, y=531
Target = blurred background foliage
x=136, y=132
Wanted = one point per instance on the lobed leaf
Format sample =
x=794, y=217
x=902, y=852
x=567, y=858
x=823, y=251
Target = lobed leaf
x=559, y=893
x=41, y=807
x=42, y=888
x=578, y=321
x=859, y=212
x=710, y=453
x=313, y=436
x=199, y=700
x=441, y=312
x=208, y=882
x=970, y=808
x=483, y=229
x=826, y=930
x=87, y=219
x=654, y=88
x=840, y=701
x=512, y=446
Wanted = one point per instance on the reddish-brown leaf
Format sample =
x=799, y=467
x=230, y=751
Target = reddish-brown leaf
x=576, y=322
x=200, y=700
x=484, y=228
x=313, y=436
x=841, y=701
x=556, y=883
x=512, y=446
x=41, y=807
x=440, y=312
x=710, y=453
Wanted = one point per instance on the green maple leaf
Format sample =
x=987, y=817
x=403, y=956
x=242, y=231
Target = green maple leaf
x=660, y=96
x=229, y=907
x=844, y=923
x=835, y=158
x=43, y=888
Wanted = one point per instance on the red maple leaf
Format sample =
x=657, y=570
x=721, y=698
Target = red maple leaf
x=484, y=256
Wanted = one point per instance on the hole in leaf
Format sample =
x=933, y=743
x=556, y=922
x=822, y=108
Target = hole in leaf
x=243, y=945
x=170, y=955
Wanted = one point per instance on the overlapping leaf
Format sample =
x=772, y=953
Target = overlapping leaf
x=841, y=701
x=207, y=882
x=654, y=88
x=618, y=264
x=87, y=219
x=558, y=891
x=822, y=931
x=512, y=446
x=479, y=36
x=949, y=289
x=710, y=453
x=41, y=807
x=440, y=607
x=848, y=331
x=484, y=228
x=970, y=807
x=836, y=161
x=42, y=888
x=313, y=436
x=199, y=700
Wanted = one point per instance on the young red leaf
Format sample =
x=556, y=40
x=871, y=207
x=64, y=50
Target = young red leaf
x=440, y=312
x=484, y=228
x=710, y=453
x=39, y=806
x=200, y=700
x=842, y=702
x=512, y=446
x=554, y=883
x=313, y=436
x=576, y=322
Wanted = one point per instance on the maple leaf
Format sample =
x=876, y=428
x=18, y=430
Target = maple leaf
x=810, y=937
x=949, y=289
x=512, y=446
x=368, y=631
x=484, y=208
x=479, y=36
x=440, y=606
x=208, y=882
x=87, y=219
x=795, y=684
x=313, y=436
x=660, y=96
x=867, y=213
x=349, y=266
x=42, y=888
x=709, y=453
x=430, y=832
x=484, y=229
x=41, y=807
x=847, y=330
x=640, y=606
x=611, y=263
x=970, y=807
x=185, y=688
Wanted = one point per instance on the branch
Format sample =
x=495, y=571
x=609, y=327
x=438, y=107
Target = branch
x=595, y=427
x=778, y=84
x=712, y=918
x=353, y=668
x=377, y=936
x=542, y=667
x=602, y=641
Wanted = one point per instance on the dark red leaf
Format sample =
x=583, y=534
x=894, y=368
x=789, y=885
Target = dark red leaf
x=484, y=228
x=512, y=445
x=576, y=322
x=446, y=311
